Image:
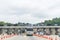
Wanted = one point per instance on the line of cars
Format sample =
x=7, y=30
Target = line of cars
x=30, y=32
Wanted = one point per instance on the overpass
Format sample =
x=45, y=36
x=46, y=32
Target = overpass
x=51, y=30
x=29, y=26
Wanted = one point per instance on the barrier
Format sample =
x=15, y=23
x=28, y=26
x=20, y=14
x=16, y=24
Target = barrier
x=7, y=36
x=46, y=37
x=41, y=36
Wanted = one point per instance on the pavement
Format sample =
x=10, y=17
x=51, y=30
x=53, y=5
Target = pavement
x=19, y=37
x=24, y=37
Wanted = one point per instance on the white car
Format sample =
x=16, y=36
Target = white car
x=29, y=32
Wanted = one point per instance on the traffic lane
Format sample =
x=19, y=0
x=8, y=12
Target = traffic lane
x=22, y=38
x=17, y=38
x=25, y=38
x=32, y=38
x=36, y=38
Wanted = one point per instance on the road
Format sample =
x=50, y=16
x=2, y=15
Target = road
x=25, y=38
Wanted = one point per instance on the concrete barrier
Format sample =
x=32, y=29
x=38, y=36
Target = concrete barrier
x=2, y=37
x=52, y=37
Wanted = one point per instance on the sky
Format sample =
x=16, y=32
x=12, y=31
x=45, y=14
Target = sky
x=31, y=11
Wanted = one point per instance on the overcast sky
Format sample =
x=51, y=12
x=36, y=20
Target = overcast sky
x=31, y=11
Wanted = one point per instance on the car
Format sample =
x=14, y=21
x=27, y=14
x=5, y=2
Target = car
x=29, y=32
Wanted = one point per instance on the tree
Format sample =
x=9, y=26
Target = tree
x=2, y=23
x=9, y=24
x=52, y=22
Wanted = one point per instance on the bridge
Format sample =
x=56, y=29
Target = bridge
x=50, y=30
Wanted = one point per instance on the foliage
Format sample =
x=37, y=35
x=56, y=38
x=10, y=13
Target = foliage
x=53, y=22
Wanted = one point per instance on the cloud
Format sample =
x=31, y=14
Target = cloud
x=31, y=11
x=53, y=9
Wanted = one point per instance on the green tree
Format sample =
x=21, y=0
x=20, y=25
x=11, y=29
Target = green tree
x=2, y=23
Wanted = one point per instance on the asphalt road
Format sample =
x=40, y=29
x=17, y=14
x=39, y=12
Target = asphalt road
x=25, y=38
